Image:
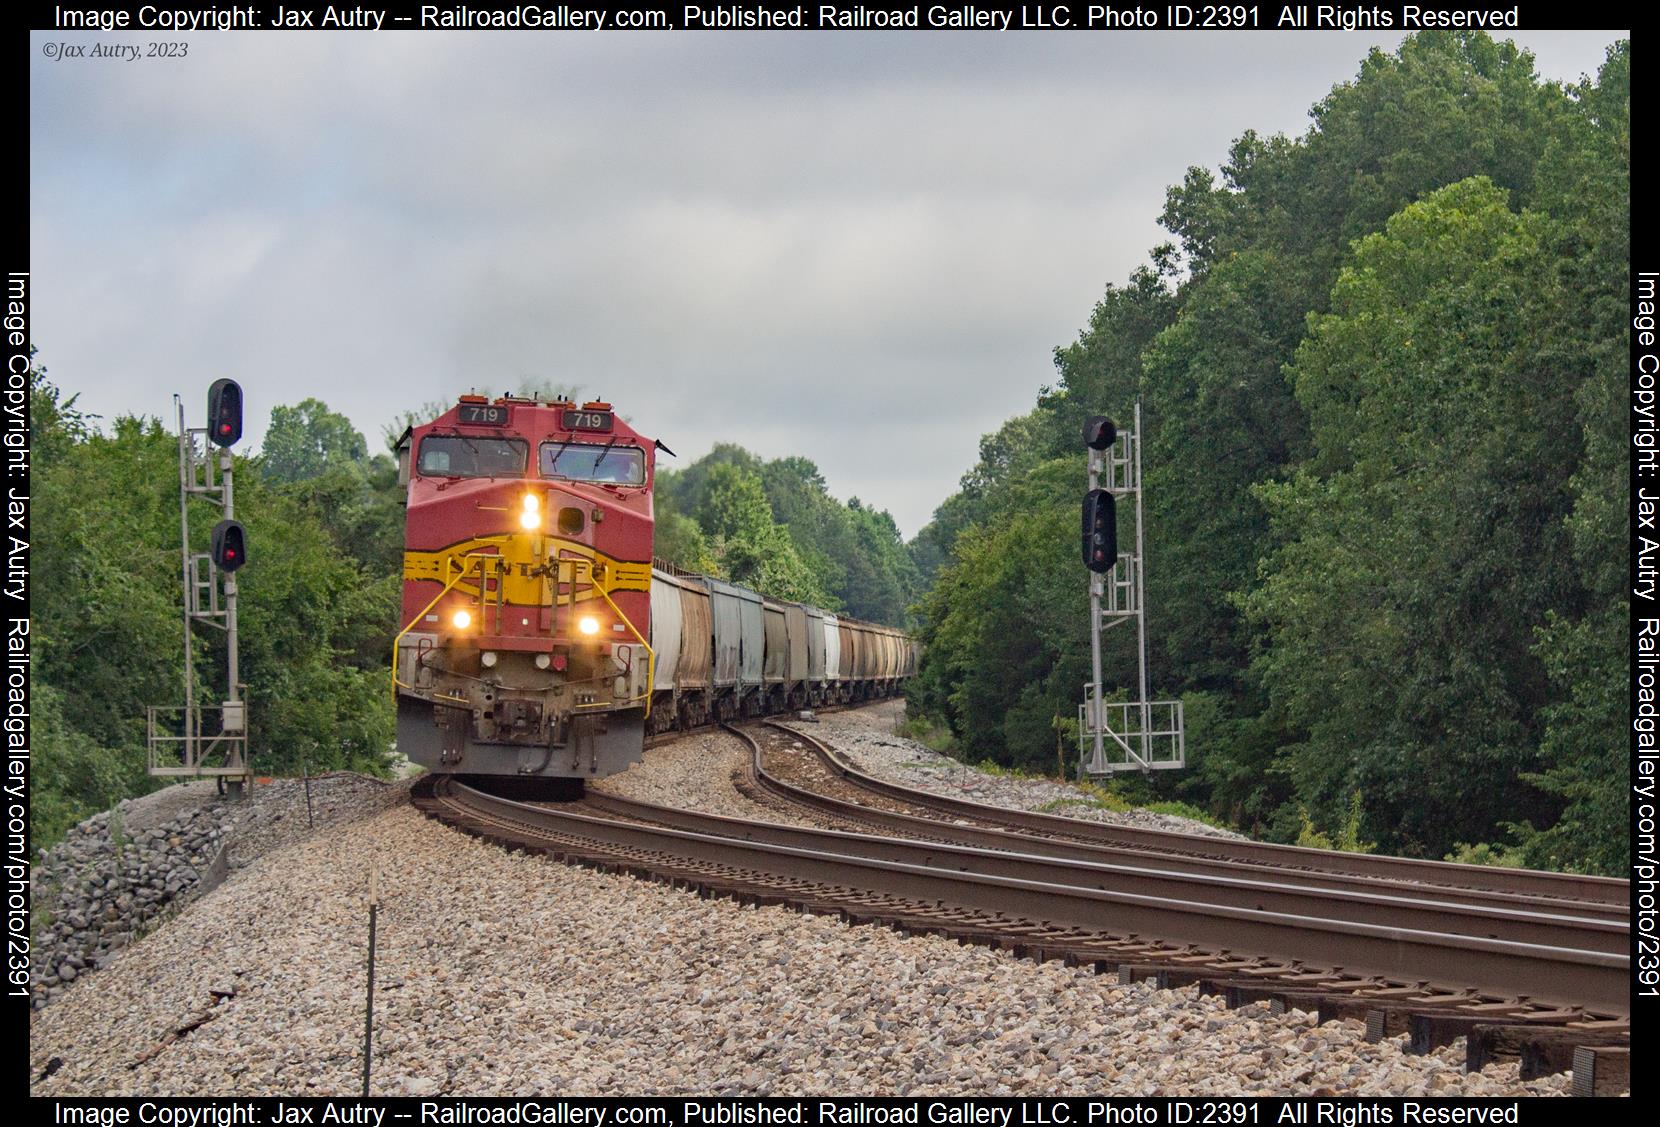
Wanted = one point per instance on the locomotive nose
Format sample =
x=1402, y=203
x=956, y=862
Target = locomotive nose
x=526, y=607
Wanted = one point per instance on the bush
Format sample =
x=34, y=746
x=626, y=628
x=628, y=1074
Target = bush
x=1495, y=854
x=1346, y=840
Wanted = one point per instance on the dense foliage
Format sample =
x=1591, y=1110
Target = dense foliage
x=317, y=600
x=1382, y=380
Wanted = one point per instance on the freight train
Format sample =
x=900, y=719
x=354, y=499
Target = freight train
x=538, y=640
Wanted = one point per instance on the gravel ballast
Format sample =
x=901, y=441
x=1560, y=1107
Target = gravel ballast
x=866, y=736
x=119, y=873
x=506, y=974
x=692, y=773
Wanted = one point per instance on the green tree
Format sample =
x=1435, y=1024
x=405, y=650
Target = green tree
x=850, y=556
x=107, y=575
x=108, y=628
x=74, y=775
x=309, y=440
x=890, y=578
x=1384, y=456
x=1005, y=648
x=820, y=527
x=1100, y=372
x=1585, y=181
x=679, y=541
x=1420, y=543
x=751, y=548
x=687, y=490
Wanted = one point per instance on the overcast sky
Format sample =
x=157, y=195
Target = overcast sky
x=857, y=247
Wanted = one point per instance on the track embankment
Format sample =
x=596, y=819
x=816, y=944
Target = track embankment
x=502, y=973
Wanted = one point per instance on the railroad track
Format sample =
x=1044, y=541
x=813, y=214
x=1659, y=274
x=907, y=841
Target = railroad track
x=1476, y=911
x=1546, y=984
x=1602, y=896
x=662, y=739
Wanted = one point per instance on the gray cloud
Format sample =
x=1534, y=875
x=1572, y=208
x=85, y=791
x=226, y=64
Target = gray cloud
x=860, y=248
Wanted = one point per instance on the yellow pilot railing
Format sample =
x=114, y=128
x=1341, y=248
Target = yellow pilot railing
x=481, y=558
x=651, y=655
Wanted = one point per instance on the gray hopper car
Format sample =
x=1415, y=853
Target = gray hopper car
x=721, y=651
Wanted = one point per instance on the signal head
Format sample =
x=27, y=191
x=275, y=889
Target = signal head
x=230, y=545
x=225, y=412
x=1100, y=531
x=1099, y=433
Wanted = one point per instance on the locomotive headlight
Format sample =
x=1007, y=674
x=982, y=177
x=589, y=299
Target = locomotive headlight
x=461, y=619
x=531, y=518
x=588, y=624
x=487, y=659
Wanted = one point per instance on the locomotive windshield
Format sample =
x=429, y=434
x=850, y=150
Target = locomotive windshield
x=606, y=462
x=464, y=456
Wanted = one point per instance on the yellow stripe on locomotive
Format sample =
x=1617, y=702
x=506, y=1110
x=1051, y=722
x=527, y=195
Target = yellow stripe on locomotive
x=523, y=571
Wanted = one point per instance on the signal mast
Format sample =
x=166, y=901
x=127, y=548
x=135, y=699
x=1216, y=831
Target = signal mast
x=211, y=741
x=1117, y=736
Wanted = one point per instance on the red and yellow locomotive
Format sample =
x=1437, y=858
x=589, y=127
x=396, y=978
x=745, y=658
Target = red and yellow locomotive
x=526, y=590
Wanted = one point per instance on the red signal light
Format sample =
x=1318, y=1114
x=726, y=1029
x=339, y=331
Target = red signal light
x=225, y=412
x=229, y=546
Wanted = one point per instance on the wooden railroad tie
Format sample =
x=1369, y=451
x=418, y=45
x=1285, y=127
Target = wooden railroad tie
x=1162, y=975
x=1541, y=1051
x=1431, y=1029
x=1602, y=1070
x=1244, y=992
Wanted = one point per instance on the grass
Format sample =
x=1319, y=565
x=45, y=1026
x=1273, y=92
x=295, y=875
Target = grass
x=1495, y=854
x=997, y=770
x=1099, y=797
x=41, y=916
x=1192, y=813
x=1102, y=797
x=1345, y=839
x=936, y=737
x=1095, y=797
x=1055, y=804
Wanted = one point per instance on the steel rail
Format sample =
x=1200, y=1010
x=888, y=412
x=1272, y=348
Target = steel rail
x=1611, y=892
x=1556, y=975
x=1423, y=913
x=670, y=735
x=1612, y=926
